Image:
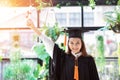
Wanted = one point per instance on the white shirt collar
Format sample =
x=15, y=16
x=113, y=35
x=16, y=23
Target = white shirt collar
x=76, y=55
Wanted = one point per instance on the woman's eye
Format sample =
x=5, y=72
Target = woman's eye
x=77, y=43
x=71, y=43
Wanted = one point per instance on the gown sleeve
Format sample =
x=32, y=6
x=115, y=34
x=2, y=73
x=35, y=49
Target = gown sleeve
x=55, y=64
x=93, y=70
x=49, y=44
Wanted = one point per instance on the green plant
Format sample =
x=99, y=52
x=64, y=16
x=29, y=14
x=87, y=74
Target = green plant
x=100, y=58
x=1, y=58
x=113, y=19
x=19, y=69
x=43, y=55
x=43, y=3
x=92, y=3
x=53, y=32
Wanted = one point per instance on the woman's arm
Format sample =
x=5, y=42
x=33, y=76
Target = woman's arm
x=49, y=44
x=32, y=26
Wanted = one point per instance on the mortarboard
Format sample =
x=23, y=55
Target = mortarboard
x=74, y=32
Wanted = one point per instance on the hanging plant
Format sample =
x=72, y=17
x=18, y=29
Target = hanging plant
x=92, y=4
x=53, y=32
x=100, y=58
x=113, y=19
x=42, y=4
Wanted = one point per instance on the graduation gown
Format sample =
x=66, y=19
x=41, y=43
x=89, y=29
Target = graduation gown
x=62, y=66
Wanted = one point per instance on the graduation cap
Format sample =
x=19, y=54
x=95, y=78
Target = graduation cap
x=74, y=32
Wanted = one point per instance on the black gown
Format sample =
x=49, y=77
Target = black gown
x=62, y=66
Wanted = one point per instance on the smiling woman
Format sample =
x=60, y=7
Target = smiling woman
x=75, y=45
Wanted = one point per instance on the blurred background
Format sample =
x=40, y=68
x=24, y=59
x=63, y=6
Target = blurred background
x=101, y=40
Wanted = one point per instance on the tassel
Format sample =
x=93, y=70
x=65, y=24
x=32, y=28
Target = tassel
x=65, y=38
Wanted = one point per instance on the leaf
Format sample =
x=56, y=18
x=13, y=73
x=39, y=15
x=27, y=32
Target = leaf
x=40, y=51
x=53, y=32
x=0, y=58
x=100, y=59
x=25, y=68
x=19, y=71
x=36, y=71
x=92, y=4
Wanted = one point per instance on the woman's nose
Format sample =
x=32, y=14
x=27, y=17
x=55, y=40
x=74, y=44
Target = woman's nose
x=74, y=45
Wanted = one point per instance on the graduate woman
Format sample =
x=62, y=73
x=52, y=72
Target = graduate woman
x=75, y=64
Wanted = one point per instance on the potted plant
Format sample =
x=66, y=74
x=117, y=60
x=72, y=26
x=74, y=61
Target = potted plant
x=18, y=69
x=113, y=19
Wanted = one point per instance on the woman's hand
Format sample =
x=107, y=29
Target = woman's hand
x=31, y=25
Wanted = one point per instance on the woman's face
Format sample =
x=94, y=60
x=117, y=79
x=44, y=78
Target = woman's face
x=75, y=44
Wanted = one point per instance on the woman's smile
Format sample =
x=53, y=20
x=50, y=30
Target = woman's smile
x=75, y=44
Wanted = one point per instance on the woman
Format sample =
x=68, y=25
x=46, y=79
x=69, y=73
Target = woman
x=76, y=64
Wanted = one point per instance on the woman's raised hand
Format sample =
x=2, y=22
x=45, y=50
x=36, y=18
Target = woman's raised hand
x=31, y=25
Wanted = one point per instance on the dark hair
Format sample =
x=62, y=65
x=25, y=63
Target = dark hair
x=83, y=49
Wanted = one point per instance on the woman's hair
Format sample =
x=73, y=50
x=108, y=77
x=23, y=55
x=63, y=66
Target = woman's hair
x=83, y=49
